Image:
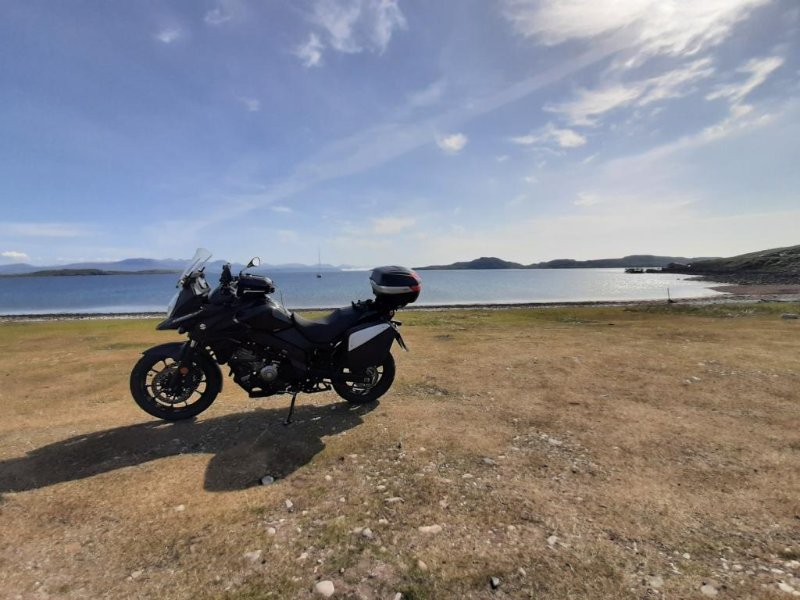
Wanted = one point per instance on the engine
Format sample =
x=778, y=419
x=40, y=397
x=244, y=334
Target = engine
x=259, y=372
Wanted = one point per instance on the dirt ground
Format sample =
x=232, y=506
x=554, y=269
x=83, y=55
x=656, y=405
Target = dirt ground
x=599, y=452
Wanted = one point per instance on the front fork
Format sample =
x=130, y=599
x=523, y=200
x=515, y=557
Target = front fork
x=184, y=364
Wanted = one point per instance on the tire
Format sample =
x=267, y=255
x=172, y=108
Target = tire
x=152, y=371
x=363, y=393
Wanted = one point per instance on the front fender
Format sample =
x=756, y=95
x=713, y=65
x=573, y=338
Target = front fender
x=170, y=350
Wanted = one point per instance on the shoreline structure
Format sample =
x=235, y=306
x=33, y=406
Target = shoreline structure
x=732, y=294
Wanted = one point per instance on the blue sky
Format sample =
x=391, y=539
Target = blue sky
x=406, y=132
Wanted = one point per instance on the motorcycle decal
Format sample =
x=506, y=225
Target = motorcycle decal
x=361, y=337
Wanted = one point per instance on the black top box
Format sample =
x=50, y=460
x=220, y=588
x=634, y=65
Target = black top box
x=395, y=286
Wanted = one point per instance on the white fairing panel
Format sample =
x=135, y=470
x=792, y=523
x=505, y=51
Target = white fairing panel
x=361, y=337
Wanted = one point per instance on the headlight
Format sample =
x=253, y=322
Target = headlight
x=171, y=306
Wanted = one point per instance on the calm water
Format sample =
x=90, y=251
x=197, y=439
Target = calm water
x=146, y=293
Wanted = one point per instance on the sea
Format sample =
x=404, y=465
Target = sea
x=110, y=294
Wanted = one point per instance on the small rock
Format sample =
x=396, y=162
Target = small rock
x=271, y=531
x=421, y=565
x=554, y=441
x=466, y=476
x=792, y=564
x=694, y=378
x=328, y=478
x=342, y=499
x=430, y=529
x=324, y=588
x=367, y=533
x=394, y=500
x=136, y=574
x=253, y=557
x=655, y=582
x=522, y=572
x=494, y=582
x=488, y=461
x=179, y=508
x=708, y=590
x=398, y=596
x=267, y=480
x=785, y=587
x=289, y=505
x=303, y=556
x=380, y=488
x=383, y=522
x=552, y=540
x=686, y=555
x=790, y=316
x=737, y=568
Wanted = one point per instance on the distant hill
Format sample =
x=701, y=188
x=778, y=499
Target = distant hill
x=484, y=262
x=777, y=265
x=86, y=272
x=634, y=260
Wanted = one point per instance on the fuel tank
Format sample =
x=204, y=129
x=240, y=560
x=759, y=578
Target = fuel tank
x=265, y=315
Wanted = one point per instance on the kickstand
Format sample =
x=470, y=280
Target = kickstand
x=288, y=420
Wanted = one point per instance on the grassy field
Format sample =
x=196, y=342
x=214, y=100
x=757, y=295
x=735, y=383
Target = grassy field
x=571, y=453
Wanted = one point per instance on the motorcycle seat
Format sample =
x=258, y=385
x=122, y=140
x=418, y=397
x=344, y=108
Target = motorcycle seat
x=325, y=329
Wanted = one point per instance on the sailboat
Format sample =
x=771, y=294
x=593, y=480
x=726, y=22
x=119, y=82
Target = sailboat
x=319, y=265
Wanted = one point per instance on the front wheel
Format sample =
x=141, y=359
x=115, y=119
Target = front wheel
x=375, y=382
x=154, y=390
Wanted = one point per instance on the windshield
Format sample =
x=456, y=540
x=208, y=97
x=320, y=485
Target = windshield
x=200, y=258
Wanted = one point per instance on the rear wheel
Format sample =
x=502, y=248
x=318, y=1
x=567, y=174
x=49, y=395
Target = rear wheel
x=153, y=390
x=373, y=382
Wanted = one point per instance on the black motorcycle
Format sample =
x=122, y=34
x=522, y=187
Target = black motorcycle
x=269, y=349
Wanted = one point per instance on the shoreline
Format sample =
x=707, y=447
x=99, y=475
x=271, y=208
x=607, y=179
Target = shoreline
x=732, y=293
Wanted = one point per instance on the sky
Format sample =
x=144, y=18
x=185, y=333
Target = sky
x=397, y=131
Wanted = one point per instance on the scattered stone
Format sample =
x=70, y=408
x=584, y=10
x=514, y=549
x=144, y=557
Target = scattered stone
x=398, y=596
x=656, y=582
x=394, y=500
x=552, y=541
x=289, y=505
x=342, y=499
x=737, y=568
x=790, y=316
x=267, y=480
x=324, y=588
x=466, y=476
x=494, y=582
x=708, y=590
x=380, y=488
x=179, y=508
x=554, y=441
x=488, y=461
x=271, y=531
x=695, y=378
x=792, y=564
x=303, y=556
x=785, y=587
x=328, y=478
x=383, y=522
x=253, y=557
x=367, y=533
x=686, y=555
x=421, y=565
x=136, y=574
x=522, y=572
x=430, y=529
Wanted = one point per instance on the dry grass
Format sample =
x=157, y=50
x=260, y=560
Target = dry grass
x=636, y=436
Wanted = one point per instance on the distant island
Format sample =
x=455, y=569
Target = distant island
x=634, y=260
x=774, y=266
x=85, y=272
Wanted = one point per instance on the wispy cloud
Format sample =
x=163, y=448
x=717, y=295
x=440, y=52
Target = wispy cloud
x=590, y=105
x=14, y=255
x=453, y=143
x=280, y=209
x=428, y=95
x=251, y=104
x=350, y=27
x=391, y=225
x=653, y=27
x=169, y=35
x=565, y=138
x=310, y=53
x=43, y=230
x=757, y=69
x=586, y=199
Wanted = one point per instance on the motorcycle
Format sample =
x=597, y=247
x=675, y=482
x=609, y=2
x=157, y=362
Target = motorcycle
x=269, y=349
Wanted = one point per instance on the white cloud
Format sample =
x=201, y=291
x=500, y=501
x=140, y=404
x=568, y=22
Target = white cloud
x=251, y=104
x=391, y=225
x=14, y=255
x=428, y=95
x=592, y=104
x=565, y=138
x=453, y=143
x=169, y=35
x=652, y=27
x=217, y=16
x=43, y=230
x=280, y=209
x=586, y=199
x=517, y=200
x=502, y=158
x=353, y=26
x=758, y=69
x=530, y=179
x=310, y=52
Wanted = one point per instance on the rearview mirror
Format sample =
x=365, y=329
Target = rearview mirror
x=254, y=262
